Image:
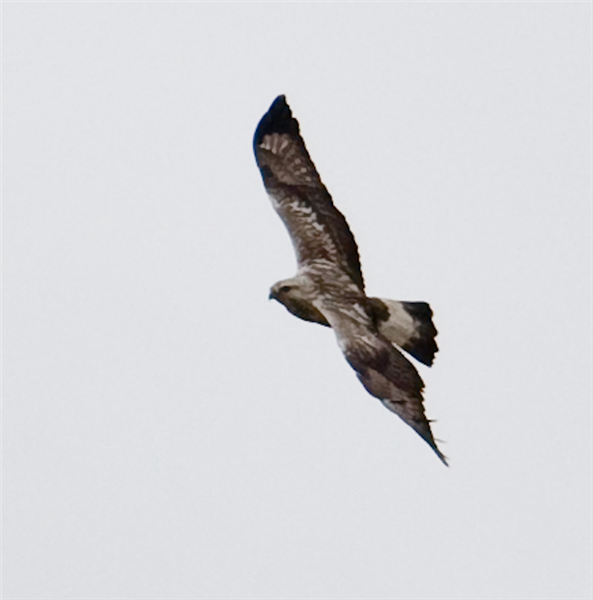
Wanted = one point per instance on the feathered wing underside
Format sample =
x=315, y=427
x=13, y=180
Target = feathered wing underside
x=317, y=228
x=381, y=368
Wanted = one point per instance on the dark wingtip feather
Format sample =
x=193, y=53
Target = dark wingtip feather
x=423, y=429
x=439, y=454
x=278, y=119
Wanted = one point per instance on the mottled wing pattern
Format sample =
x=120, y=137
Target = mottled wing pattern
x=317, y=228
x=389, y=376
x=381, y=368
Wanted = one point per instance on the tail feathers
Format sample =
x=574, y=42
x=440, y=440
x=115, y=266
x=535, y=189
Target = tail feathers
x=408, y=325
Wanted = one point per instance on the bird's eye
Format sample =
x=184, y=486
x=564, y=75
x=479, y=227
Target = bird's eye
x=284, y=289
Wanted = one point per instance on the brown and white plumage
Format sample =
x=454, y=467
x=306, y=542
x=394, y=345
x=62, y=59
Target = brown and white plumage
x=329, y=287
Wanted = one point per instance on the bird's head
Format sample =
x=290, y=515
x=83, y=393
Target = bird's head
x=296, y=294
x=295, y=288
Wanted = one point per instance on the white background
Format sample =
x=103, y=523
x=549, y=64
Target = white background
x=170, y=433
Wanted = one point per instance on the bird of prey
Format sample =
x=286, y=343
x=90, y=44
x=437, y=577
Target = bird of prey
x=329, y=289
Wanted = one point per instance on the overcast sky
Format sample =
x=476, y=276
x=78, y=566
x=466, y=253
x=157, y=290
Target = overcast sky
x=168, y=432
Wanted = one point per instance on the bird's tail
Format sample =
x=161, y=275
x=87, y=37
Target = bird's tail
x=408, y=325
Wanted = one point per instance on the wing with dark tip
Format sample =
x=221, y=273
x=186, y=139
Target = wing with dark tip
x=317, y=228
x=389, y=376
x=381, y=368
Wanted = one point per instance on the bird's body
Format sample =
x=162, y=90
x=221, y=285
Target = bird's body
x=329, y=287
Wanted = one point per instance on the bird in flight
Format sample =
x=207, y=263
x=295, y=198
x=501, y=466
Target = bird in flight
x=329, y=288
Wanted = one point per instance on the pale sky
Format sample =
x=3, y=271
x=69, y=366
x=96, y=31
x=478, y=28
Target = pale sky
x=168, y=432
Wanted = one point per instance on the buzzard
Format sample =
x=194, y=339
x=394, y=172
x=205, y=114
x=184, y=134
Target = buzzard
x=329, y=289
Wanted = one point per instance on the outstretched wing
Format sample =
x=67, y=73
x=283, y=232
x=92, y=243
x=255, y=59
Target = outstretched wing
x=381, y=368
x=317, y=228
